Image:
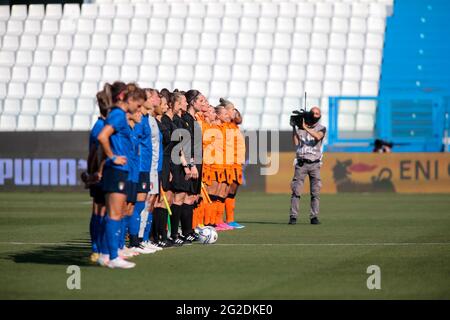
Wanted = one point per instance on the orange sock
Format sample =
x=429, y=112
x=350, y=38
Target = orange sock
x=229, y=208
x=209, y=208
x=220, y=207
x=195, y=218
x=201, y=213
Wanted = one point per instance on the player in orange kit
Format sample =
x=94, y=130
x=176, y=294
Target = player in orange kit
x=211, y=134
x=219, y=188
x=236, y=142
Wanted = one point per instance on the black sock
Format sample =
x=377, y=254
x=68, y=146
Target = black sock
x=186, y=218
x=155, y=224
x=175, y=220
x=162, y=224
x=191, y=218
x=134, y=240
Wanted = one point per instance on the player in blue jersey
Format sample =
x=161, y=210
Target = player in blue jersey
x=139, y=136
x=148, y=187
x=92, y=178
x=156, y=171
x=116, y=141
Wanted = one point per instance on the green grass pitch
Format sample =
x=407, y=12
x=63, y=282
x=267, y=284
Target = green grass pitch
x=407, y=236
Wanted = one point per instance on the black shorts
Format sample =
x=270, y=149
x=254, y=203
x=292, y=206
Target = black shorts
x=96, y=192
x=179, y=182
x=164, y=176
x=144, y=182
x=196, y=185
x=131, y=188
x=114, y=180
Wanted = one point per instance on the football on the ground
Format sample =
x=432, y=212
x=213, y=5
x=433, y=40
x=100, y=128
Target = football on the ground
x=208, y=235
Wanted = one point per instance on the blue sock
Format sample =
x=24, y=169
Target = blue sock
x=93, y=231
x=123, y=231
x=103, y=241
x=134, y=221
x=148, y=227
x=112, y=236
x=98, y=230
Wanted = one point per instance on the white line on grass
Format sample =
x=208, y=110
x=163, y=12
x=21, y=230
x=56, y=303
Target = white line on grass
x=337, y=244
x=258, y=244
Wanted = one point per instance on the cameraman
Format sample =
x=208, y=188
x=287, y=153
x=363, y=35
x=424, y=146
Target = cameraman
x=308, y=140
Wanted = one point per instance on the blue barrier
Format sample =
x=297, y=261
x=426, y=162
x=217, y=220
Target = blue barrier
x=413, y=103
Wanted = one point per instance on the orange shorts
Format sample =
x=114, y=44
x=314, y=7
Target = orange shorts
x=238, y=174
x=219, y=174
x=231, y=174
x=207, y=174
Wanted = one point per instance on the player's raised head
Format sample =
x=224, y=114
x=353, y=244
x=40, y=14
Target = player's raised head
x=222, y=114
x=197, y=100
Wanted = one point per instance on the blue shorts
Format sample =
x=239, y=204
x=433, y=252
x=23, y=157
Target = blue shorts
x=144, y=182
x=114, y=180
x=131, y=189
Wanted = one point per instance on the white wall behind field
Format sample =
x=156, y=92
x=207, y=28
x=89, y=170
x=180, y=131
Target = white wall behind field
x=260, y=54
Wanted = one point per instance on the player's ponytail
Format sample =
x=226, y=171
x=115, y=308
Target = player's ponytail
x=174, y=98
x=117, y=91
x=237, y=117
x=226, y=103
x=103, y=101
x=107, y=94
x=192, y=96
x=166, y=94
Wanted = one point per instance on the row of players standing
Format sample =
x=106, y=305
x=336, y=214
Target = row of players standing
x=146, y=176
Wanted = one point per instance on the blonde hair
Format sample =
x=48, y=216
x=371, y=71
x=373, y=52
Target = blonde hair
x=226, y=103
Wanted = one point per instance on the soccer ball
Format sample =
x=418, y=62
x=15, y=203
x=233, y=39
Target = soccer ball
x=207, y=235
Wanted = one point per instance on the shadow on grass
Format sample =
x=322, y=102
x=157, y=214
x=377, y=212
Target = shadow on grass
x=74, y=252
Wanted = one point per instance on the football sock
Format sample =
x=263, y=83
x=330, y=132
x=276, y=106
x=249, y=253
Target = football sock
x=134, y=222
x=113, y=228
x=201, y=213
x=92, y=231
x=186, y=218
x=102, y=236
x=209, y=207
x=155, y=224
x=162, y=223
x=191, y=218
x=123, y=229
x=148, y=227
x=220, y=207
x=229, y=209
x=194, y=217
x=98, y=231
x=175, y=220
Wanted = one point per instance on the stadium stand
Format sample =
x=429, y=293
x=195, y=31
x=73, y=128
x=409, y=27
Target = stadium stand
x=416, y=75
x=262, y=54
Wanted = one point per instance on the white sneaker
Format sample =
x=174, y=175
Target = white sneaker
x=143, y=250
x=127, y=253
x=148, y=244
x=103, y=260
x=121, y=264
